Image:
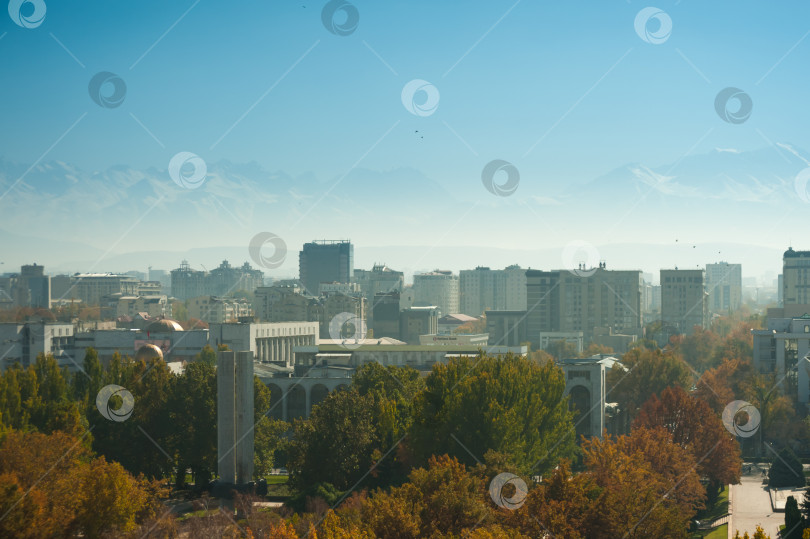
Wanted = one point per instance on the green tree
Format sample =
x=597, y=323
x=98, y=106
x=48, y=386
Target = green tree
x=193, y=414
x=510, y=405
x=179, y=310
x=142, y=442
x=87, y=383
x=762, y=391
x=805, y=505
x=335, y=444
x=268, y=433
x=794, y=522
x=786, y=470
x=392, y=390
x=207, y=355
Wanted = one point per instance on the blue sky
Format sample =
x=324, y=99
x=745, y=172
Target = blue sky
x=566, y=91
x=515, y=85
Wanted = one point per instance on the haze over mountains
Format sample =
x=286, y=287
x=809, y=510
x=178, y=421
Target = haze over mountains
x=130, y=219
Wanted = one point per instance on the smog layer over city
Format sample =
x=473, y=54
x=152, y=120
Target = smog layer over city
x=353, y=269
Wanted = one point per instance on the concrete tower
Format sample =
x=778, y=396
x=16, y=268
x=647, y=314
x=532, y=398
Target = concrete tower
x=235, y=417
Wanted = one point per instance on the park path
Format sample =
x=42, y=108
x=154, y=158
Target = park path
x=751, y=506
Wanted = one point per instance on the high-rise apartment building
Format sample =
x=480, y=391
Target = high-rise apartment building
x=188, y=283
x=684, y=300
x=325, y=261
x=418, y=321
x=439, y=288
x=92, y=287
x=572, y=301
x=543, y=303
x=224, y=280
x=724, y=283
x=31, y=287
x=796, y=277
x=603, y=298
x=379, y=280
x=283, y=304
x=484, y=289
x=385, y=318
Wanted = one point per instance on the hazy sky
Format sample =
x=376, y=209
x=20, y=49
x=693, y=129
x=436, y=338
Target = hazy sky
x=574, y=74
x=565, y=91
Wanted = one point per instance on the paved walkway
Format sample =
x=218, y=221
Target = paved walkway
x=751, y=506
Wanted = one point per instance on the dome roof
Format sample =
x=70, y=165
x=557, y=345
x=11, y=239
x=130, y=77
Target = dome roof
x=147, y=352
x=163, y=325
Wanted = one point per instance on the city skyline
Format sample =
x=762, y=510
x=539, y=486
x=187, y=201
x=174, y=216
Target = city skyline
x=618, y=121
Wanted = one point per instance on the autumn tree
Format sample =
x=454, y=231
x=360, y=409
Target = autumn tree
x=693, y=425
x=758, y=534
x=649, y=486
x=79, y=494
x=562, y=349
x=738, y=343
x=646, y=372
x=698, y=348
x=560, y=506
x=721, y=385
x=594, y=349
x=441, y=500
x=510, y=405
x=473, y=327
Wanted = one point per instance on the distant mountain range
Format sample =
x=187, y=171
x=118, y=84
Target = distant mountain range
x=740, y=206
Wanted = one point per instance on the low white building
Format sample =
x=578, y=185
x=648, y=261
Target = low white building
x=217, y=309
x=23, y=342
x=784, y=350
x=270, y=342
x=154, y=306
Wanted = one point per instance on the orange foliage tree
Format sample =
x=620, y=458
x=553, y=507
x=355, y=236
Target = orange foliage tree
x=50, y=485
x=693, y=425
